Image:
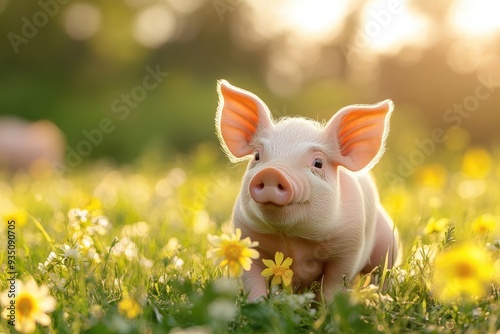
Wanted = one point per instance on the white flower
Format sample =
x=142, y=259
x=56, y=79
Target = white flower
x=178, y=262
x=99, y=225
x=50, y=259
x=70, y=252
x=126, y=247
x=77, y=216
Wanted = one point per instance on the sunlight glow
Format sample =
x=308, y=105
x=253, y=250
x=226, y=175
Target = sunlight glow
x=297, y=29
x=464, y=56
x=154, y=26
x=315, y=19
x=390, y=25
x=311, y=21
x=296, y=32
x=475, y=17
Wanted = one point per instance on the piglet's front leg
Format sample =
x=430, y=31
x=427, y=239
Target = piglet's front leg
x=254, y=282
x=333, y=278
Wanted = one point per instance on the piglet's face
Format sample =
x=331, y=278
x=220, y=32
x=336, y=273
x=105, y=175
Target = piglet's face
x=291, y=184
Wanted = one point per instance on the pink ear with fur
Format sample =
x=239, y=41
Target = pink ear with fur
x=357, y=134
x=240, y=116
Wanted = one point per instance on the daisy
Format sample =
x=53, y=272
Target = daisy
x=232, y=252
x=32, y=303
x=279, y=268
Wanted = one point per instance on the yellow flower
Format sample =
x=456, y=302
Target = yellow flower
x=232, y=252
x=26, y=304
x=436, y=225
x=279, y=268
x=129, y=307
x=462, y=272
x=484, y=224
x=13, y=216
x=432, y=176
x=94, y=206
x=476, y=163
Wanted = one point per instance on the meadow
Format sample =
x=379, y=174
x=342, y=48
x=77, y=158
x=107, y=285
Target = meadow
x=123, y=249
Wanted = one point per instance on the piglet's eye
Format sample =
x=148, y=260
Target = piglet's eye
x=257, y=156
x=318, y=163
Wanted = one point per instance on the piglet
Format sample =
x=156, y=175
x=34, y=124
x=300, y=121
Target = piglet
x=23, y=143
x=307, y=191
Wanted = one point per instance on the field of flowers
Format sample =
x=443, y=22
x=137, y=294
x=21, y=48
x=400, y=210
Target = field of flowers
x=148, y=248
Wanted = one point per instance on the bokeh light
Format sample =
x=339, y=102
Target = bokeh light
x=464, y=56
x=476, y=18
x=154, y=26
x=82, y=20
x=388, y=26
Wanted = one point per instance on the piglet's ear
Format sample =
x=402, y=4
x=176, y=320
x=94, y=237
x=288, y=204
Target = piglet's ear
x=357, y=134
x=241, y=117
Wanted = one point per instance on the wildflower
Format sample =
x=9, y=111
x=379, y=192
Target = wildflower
x=397, y=201
x=463, y=272
x=178, y=262
x=171, y=248
x=436, y=225
x=32, y=305
x=232, y=252
x=87, y=249
x=77, y=216
x=279, y=268
x=94, y=206
x=432, y=176
x=126, y=247
x=296, y=301
x=99, y=225
x=70, y=252
x=129, y=307
x=484, y=224
x=476, y=163
x=12, y=213
x=49, y=263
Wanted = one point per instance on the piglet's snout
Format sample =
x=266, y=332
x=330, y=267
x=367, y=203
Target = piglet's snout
x=270, y=185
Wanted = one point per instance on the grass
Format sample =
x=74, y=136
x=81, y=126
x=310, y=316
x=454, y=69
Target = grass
x=135, y=261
